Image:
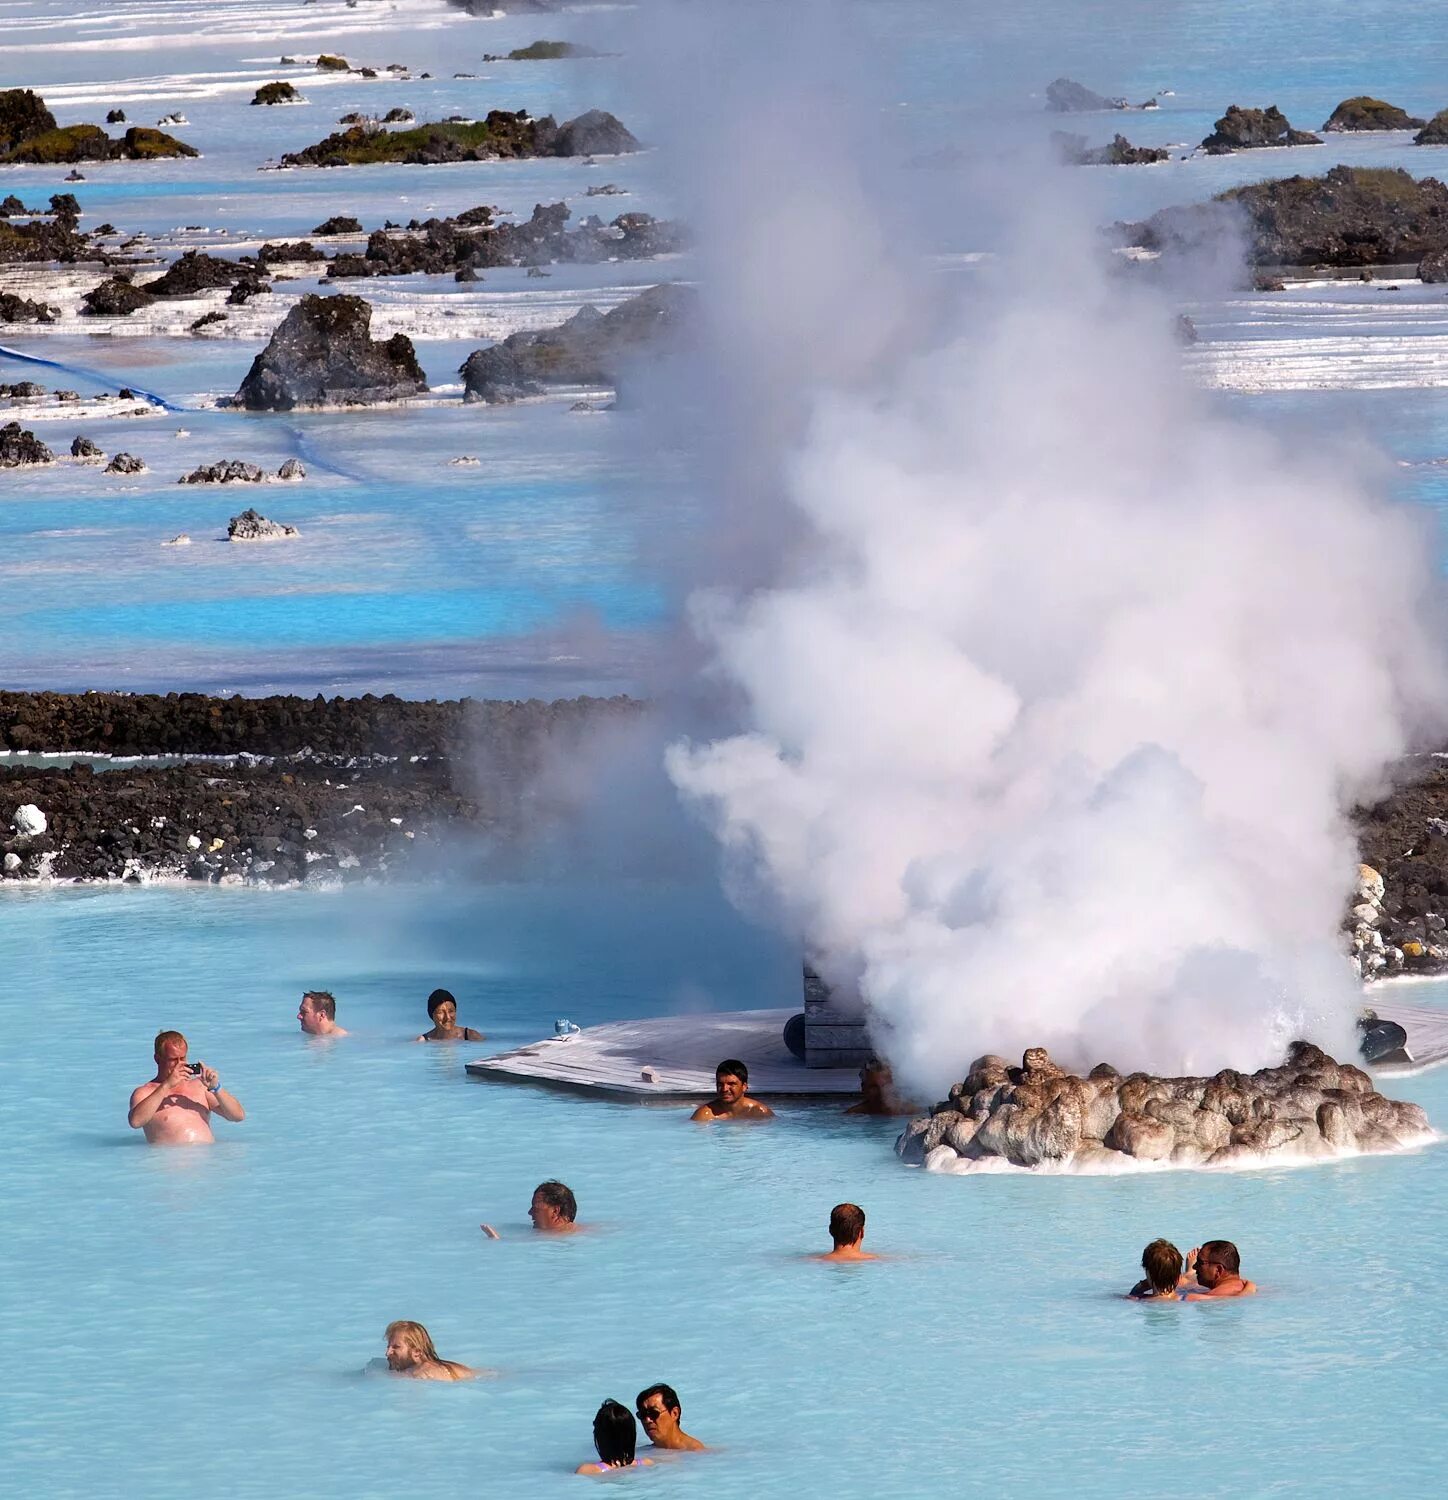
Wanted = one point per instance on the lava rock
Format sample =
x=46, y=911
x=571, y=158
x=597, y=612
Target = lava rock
x=23, y=117
x=1433, y=268
x=125, y=463
x=1041, y=1116
x=115, y=117
x=339, y=224
x=251, y=526
x=115, y=298
x=207, y=320
x=1435, y=132
x=193, y=273
x=20, y=449
x=594, y=133
x=1254, y=129
x=227, y=471
x=1366, y=113
x=323, y=353
x=1119, y=153
x=589, y=349
x=1066, y=96
x=82, y=447
x=276, y=93
x=14, y=309
x=292, y=469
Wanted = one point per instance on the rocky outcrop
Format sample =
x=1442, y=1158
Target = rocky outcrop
x=1119, y=153
x=1435, y=132
x=1433, y=268
x=276, y=93
x=1367, y=113
x=504, y=134
x=125, y=463
x=589, y=349
x=1352, y=216
x=114, y=298
x=291, y=471
x=1067, y=97
x=115, y=117
x=15, y=309
x=339, y=224
x=323, y=354
x=542, y=52
x=83, y=447
x=84, y=143
x=1254, y=129
x=194, y=273
x=19, y=448
x=329, y=62
x=1039, y=1116
x=251, y=526
x=23, y=117
x=56, y=238
x=227, y=471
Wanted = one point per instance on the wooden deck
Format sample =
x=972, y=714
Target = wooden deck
x=1427, y=1028
x=681, y=1052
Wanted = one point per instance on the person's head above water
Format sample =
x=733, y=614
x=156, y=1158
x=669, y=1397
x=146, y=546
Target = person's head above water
x=1162, y=1262
x=847, y=1224
x=317, y=1013
x=169, y=1045
x=615, y=1435
x=410, y=1351
x=439, y=998
x=554, y=1208
x=1216, y=1261
x=731, y=1078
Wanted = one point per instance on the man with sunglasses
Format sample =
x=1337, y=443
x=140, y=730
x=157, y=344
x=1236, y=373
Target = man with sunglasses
x=732, y=1101
x=658, y=1412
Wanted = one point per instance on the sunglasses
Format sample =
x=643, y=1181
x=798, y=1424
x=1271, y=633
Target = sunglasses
x=651, y=1413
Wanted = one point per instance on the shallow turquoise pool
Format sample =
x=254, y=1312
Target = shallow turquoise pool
x=199, y=1318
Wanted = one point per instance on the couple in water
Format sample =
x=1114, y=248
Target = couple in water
x=615, y=1437
x=1208, y=1273
x=317, y=1016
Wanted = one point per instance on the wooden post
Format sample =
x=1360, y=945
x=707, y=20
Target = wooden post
x=836, y=1032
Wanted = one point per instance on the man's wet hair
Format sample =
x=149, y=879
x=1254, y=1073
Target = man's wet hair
x=1222, y=1253
x=324, y=1001
x=557, y=1196
x=439, y=997
x=847, y=1223
x=734, y=1066
x=615, y=1434
x=162, y=1037
x=1162, y=1262
x=667, y=1392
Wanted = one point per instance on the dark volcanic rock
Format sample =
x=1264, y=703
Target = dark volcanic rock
x=23, y=117
x=1433, y=268
x=503, y=134
x=276, y=93
x=1251, y=129
x=125, y=463
x=1353, y=216
x=589, y=349
x=1435, y=132
x=19, y=448
x=114, y=297
x=227, y=471
x=246, y=287
x=194, y=272
x=1037, y=1115
x=323, y=353
x=15, y=309
x=115, y=117
x=271, y=253
x=207, y=320
x=82, y=447
x=1367, y=113
x=398, y=115
x=329, y=62
x=339, y=224
x=81, y=143
x=252, y=526
x=45, y=240
x=1119, y=153
x=292, y=470
x=1065, y=96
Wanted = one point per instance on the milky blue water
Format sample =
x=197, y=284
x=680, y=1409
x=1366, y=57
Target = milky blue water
x=199, y=1319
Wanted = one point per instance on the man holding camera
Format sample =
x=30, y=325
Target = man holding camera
x=175, y=1107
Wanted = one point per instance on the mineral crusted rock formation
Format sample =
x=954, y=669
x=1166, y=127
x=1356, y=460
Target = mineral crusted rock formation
x=1039, y=1116
x=1433, y=268
x=589, y=349
x=114, y=298
x=192, y=273
x=323, y=354
x=83, y=447
x=251, y=526
x=292, y=470
x=1435, y=132
x=277, y=93
x=1367, y=113
x=227, y=471
x=339, y=224
x=28, y=133
x=1351, y=216
x=19, y=448
x=14, y=309
x=125, y=463
x=1251, y=129
x=1067, y=97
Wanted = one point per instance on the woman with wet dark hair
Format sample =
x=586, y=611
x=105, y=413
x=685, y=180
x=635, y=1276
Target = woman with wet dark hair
x=615, y=1436
x=444, y=1012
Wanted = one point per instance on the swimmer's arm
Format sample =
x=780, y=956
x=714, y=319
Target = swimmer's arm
x=227, y=1105
x=145, y=1102
x=490, y=1232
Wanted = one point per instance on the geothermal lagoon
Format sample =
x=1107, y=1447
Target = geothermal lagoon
x=760, y=542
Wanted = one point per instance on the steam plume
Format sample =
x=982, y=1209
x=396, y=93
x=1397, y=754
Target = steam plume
x=1052, y=708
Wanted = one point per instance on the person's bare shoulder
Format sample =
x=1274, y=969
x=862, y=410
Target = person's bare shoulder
x=137, y=1094
x=469, y=1035
x=760, y=1110
x=704, y=1112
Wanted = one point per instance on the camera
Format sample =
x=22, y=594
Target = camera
x=194, y=1069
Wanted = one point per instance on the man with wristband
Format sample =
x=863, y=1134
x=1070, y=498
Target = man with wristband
x=175, y=1107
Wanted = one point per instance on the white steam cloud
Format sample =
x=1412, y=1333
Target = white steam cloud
x=1051, y=713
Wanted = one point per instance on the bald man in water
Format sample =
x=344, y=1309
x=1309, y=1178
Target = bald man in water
x=175, y=1107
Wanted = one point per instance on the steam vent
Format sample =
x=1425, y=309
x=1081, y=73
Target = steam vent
x=1038, y=1115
